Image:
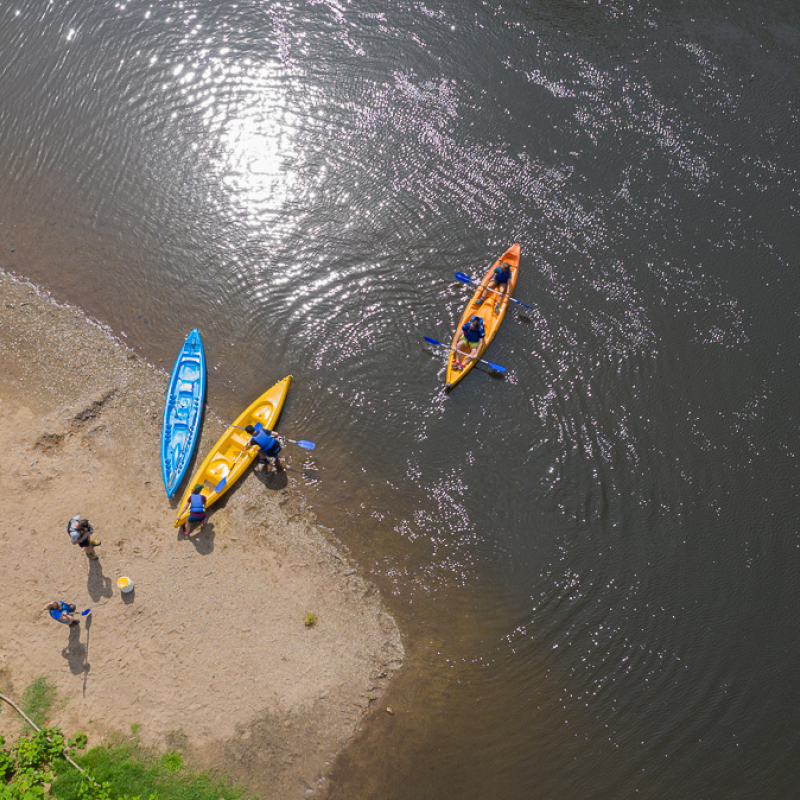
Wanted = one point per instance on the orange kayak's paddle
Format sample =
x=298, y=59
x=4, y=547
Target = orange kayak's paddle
x=495, y=367
x=466, y=279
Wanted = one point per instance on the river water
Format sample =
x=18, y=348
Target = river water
x=594, y=558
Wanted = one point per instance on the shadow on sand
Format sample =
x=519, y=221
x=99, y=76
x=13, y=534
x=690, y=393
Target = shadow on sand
x=76, y=652
x=97, y=584
x=202, y=539
x=272, y=480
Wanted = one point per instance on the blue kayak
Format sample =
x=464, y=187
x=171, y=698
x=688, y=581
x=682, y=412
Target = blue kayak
x=183, y=411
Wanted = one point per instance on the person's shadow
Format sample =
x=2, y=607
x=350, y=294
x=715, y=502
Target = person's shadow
x=97, y=584
x=77, y=653
x=273, y=480
x=203, y=540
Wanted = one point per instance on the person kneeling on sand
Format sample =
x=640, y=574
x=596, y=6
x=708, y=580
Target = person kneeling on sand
x=62, y=612
x=196, y=503
x=80, y=532
x=268, y=446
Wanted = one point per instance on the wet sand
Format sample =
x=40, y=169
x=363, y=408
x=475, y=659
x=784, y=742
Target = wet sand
x=209, y=654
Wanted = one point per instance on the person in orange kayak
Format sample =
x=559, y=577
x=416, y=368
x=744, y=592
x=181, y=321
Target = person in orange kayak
x=499, y=283
x=470, y=343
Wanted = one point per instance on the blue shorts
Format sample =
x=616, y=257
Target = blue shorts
x=272, y=452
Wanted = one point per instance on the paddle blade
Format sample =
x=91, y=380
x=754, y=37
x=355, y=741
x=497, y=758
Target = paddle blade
x=221, y=485
x=433, y=341
x=460, y=276
x=88, y=611
x=306, y=444
x=496, y=367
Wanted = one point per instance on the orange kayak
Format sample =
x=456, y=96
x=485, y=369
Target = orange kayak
x=493, y=310
x=229, y=457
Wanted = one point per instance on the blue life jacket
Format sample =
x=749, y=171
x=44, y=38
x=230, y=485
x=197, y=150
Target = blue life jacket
x=500, y=276
x=473, y=335
x=56, y=614
x=267, y=445
x=198, y=505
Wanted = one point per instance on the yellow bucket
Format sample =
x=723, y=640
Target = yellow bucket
x=125, y=584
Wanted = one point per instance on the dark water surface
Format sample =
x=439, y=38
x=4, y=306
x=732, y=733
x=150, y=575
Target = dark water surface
x=595, y=559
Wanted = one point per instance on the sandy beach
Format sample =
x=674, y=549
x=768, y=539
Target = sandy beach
x=209, y=654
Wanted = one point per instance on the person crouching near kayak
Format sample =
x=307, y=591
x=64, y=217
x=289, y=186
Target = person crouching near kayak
x=470, y=343
x=499, y=283
x=268, y=446
x=196, y=505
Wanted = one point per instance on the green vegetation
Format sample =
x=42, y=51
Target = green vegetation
x=27, y=766
x=115, y=772
x=310, y=620
x=37, y=699
x=79, y=741
x=127, y=771
x=172, y=761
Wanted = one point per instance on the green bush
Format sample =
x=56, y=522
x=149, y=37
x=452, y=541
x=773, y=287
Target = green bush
x=26, y=768
x=121, y=772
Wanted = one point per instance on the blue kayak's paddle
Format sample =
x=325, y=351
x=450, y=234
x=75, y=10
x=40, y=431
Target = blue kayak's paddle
x=466, y=279
x=495, y=367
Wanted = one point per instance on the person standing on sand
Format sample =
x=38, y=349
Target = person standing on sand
x=80, y=532
x=196, y=504
x=62, y=612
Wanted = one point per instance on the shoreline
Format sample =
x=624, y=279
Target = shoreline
x=210, y=655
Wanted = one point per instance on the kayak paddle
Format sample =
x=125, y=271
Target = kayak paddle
x=466, y=279
x=299, y=442
x=256, y=428
x=495, y=367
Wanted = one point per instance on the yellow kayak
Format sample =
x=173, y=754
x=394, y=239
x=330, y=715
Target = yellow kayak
x=229, y=457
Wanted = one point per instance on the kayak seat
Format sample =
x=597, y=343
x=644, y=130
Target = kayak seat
x=263, y=414
x=181, y=412
x=189, y=372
